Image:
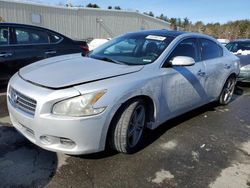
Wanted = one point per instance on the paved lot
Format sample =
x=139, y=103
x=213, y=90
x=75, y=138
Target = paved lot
x=209, y=147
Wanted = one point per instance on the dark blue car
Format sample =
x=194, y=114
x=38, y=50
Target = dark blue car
x=22, y=44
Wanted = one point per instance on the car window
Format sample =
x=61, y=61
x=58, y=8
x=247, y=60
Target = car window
x=210, y=49
x=244, y=46
x=187, y=47
x=30, y=36
x=4, y=35
x=55, y=38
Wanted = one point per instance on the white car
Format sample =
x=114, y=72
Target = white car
x=78, y=105
x=93, y=44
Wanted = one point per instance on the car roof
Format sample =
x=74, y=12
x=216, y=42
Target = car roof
x=173, y=33
x=241, y=40
x=161, y=32
x=26, y=25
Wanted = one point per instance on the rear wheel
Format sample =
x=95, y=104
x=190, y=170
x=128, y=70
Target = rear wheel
x=227, y=91
x=129, y=127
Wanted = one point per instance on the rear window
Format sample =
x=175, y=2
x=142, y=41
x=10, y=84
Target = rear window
x=55, y=38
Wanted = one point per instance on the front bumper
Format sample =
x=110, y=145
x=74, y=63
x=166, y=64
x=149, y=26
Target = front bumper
x=55, y=133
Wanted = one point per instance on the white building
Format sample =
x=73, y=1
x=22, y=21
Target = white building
x=78, y=23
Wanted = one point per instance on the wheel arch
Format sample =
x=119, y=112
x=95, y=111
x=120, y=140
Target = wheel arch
x=150, y=110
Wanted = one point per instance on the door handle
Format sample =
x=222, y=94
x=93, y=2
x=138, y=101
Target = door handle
x=50, y=52
x=6, y=54
x=226, y=66
x=201, y=73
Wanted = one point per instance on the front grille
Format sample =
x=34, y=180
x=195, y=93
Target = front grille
x=22, y=102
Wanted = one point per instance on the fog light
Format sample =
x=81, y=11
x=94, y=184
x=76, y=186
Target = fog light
x=46, y=139
x=67, y=142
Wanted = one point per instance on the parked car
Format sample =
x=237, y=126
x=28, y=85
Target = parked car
x=223, y=41
x=93, y=44
x=22, y=44
x=78, y=105
x=241, y=48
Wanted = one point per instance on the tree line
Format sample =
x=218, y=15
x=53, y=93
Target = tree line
x=230, y=30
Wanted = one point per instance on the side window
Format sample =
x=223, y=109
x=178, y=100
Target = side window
x=210, y=49
x=55, y=38
x=4, y=36
x=187, y=47
x=30, y=36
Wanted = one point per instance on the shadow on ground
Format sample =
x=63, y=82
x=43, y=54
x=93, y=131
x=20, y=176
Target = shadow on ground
x=22, y=164
x=151, y=136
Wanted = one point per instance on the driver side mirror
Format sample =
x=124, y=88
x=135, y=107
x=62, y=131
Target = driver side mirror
x=182, y=61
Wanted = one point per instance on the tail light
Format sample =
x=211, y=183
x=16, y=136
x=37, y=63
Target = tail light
x=85, y=48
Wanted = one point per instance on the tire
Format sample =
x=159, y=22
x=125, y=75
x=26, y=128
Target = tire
x=128, y=128
x=227, y=91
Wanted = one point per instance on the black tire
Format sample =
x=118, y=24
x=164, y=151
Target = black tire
x=227, y=91
x=124, y=126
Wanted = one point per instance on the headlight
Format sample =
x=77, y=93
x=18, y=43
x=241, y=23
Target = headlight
x=79, y=106
x=245, y=68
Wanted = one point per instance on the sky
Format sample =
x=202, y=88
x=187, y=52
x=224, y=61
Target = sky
x=207, y=11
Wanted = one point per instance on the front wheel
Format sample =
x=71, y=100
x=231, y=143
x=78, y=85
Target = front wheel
x=227, y=91
x=129, y=127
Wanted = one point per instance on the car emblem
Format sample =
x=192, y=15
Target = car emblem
x=15, y=98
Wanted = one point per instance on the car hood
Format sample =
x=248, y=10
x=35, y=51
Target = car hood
x=70, y=70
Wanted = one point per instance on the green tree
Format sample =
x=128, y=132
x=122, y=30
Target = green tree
x=151, y=14
x=90, y=5
x=178, y=22
x=173, y=22
x=109, y=7
x=117, y=8
x=186, y=24
x=1, y=19
x=162, y=17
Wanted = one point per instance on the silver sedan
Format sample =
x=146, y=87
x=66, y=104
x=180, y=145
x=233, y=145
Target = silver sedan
x=78, y=105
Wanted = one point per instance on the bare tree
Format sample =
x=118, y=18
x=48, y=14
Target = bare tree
x=1, y=19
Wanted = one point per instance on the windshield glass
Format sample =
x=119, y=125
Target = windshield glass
x=132, y=49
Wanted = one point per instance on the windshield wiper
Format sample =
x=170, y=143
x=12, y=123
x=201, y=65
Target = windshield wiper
x=111, y=60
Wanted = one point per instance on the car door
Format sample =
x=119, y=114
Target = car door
x=6, y=53
x=55, y=46
x=61, y=45
x=183, y=86
x=30, y=46
x=216, y=67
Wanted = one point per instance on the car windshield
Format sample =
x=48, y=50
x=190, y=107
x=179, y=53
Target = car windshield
x=235, y=46
x=132, y=49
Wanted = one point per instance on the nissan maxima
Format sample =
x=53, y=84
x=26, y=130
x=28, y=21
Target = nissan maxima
x=79, y=105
